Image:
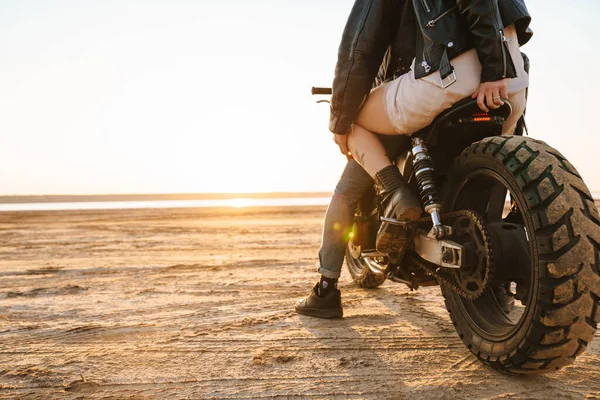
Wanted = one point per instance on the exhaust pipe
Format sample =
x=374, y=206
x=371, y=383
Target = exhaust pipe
x=377, y=268
x=373, y=265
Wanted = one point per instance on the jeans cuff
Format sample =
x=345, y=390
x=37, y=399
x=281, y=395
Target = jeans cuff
x=329, y=274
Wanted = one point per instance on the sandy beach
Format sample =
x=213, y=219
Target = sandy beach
x=198, y=303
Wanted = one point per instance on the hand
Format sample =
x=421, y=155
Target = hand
x=490, y=94
x=342, y=142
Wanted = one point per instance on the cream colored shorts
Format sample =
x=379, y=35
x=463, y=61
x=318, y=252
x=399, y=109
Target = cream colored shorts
x=412, y=104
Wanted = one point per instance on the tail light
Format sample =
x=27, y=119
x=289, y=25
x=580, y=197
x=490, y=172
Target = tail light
x=480, y=117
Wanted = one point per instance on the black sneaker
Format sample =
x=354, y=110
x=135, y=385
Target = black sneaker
x=328, y=306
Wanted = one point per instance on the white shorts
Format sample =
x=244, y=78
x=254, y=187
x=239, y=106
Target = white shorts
x=412, y=104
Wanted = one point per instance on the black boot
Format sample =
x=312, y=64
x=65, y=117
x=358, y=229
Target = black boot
x=322, y=303
x=398, y=202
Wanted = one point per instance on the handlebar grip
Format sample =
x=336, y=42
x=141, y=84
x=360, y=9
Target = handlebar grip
x=320, y=90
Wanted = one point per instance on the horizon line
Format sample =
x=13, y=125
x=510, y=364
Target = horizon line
x=124, y=197
x=78, y=198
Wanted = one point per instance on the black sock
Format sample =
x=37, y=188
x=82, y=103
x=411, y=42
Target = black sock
x=326, y=285
x=390, y=178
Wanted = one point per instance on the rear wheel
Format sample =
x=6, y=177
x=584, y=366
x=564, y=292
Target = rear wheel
x=545, y=250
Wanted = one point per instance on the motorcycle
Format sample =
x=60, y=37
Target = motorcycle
x=511, y=236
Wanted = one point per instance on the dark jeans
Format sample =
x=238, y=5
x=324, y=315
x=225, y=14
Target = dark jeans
x=353, y=184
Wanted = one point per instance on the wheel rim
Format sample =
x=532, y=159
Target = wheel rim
x=484, y=191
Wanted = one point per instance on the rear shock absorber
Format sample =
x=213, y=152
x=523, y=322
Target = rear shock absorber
x=425, y=175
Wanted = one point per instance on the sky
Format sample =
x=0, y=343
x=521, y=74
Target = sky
x=125, y=96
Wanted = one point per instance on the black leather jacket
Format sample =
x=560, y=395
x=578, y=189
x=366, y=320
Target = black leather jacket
x=436, y=32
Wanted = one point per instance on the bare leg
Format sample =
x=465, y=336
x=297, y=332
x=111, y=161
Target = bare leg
x=396, y=199
x=364, y=145
x=367, y=150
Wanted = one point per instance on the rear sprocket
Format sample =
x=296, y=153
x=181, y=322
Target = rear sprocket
x=472, y=279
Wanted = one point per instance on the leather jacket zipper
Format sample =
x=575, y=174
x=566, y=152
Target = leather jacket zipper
x=432, y=23
x=426, y=66
x=426, y=5
x=503, y=42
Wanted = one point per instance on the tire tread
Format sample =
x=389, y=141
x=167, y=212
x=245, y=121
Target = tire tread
x=567, y=230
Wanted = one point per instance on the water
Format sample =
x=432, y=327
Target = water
x=122, y=205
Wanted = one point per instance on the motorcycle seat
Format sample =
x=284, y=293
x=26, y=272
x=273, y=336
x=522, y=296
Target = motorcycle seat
x=465, y=112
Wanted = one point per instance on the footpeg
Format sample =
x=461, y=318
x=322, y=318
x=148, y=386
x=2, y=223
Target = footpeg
x=392, y=236
x=393, y=221
x=373, y=254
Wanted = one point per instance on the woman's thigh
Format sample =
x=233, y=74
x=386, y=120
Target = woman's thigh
x=403, y=106
x=373, y=117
